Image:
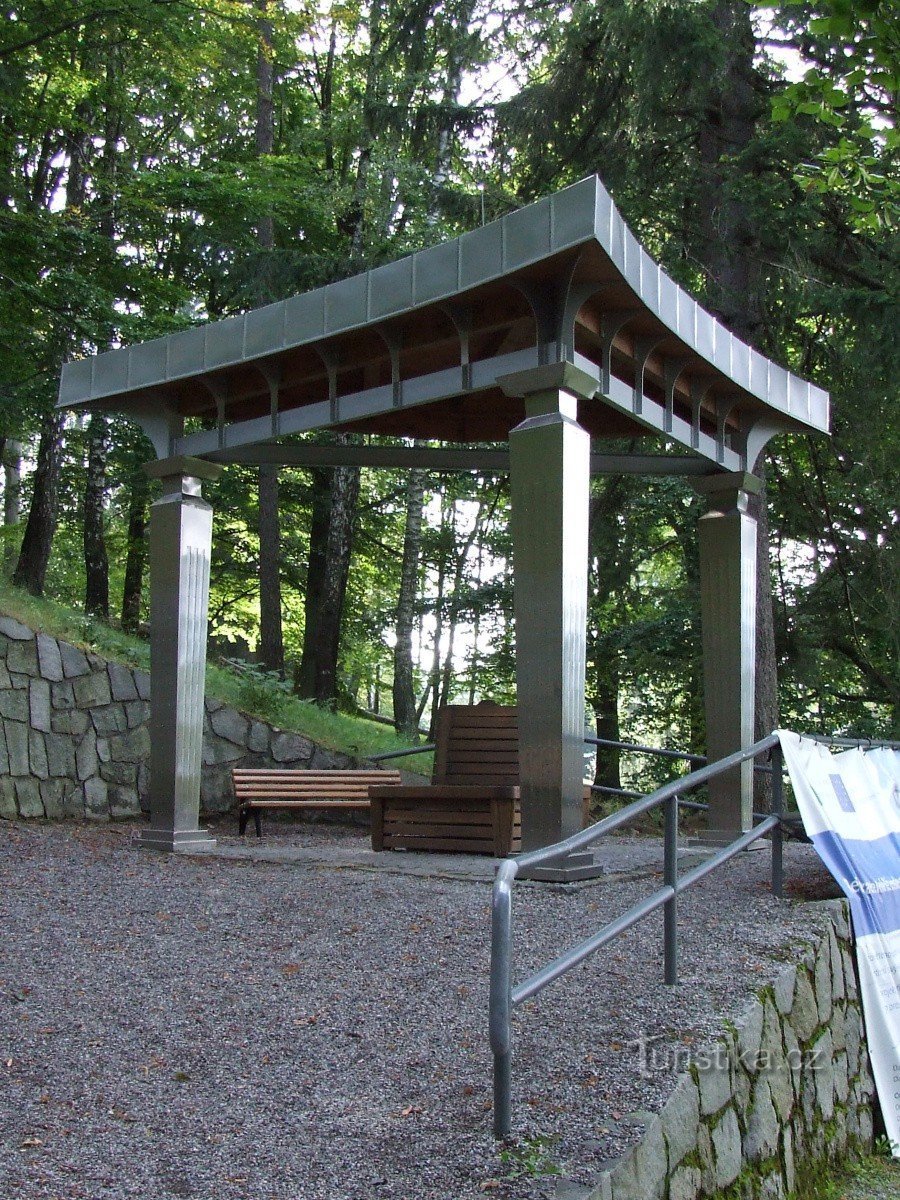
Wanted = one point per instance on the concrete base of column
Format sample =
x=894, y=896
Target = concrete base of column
x=565, y=870
x=168, y=841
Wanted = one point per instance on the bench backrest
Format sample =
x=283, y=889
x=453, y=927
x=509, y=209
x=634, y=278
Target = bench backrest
x=477, y=744
x=259, y=783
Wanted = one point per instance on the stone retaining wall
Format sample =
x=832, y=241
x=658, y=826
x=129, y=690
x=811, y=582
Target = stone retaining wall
x=788, y=1091
x=74, y=738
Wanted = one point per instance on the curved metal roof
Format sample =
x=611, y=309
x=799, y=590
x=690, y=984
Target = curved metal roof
x=415, y=348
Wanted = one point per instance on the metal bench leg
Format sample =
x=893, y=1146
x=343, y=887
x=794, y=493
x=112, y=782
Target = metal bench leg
x=243, y=814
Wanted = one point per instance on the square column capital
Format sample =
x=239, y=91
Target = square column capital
x=182, y=473
x=728, y=491
x=551, y=377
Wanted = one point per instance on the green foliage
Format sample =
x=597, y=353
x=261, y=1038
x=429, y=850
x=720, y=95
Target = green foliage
x=261, y=692
x=850, y=88
x=635, y=92
x=131, y=193
x=529, y=1158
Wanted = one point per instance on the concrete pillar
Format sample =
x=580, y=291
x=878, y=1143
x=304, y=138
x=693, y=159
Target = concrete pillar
x=550, y=484
x=180, y=544
x=728, y=609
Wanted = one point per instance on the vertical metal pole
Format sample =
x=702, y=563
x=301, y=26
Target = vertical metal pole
x=670, y=909
x=777, y=761
x=501, y=1000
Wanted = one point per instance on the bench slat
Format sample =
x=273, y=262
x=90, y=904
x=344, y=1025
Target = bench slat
x=308, y=803
x=257, y=788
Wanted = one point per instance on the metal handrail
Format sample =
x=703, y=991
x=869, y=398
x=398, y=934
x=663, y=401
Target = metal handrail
x=504, y=997
x=659, y=752
x=609, y=744
x=697, y=805
x=425, y=749
x=854, y=743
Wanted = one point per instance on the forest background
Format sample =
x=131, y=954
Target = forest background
x=166, y=162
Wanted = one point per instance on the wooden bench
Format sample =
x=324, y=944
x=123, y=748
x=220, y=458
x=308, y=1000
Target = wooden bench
x=257, y=788
x=472, y=805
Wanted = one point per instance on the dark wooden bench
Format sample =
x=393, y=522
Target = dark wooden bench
x=472, y=804
x=258, y=788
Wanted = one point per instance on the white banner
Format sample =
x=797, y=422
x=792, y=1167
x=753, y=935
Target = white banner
x=850, y=804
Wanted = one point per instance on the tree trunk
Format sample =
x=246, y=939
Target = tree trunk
x=731, y=256
x=431, y=689
x=305, y=676
x=476, y=629
x=353, y=221
x=271, y=633
x=12, y=496
x=331, y=543
x=265, y=118
x=606, y=713
x=455, y=606
x=136, y=555
x=449, y=99
x=729, y=238
x=96, y=561
x=34, y=556
x=344, y=497
x=271, y=642
x=447, y=668
x=405, y=721
x=40, y=526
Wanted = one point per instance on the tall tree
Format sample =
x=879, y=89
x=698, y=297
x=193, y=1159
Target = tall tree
x=96, y=560
x=334, y=519
x=731, y=255
x=34, y=555
x=404, y=680
x=136, y=550
x=271, y=638
x=672, y=104
x=12, y=496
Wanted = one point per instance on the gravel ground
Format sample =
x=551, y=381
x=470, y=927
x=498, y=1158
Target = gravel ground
x=213, y=1028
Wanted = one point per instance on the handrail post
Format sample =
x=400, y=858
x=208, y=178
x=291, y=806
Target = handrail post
x=777, y=760
x=503, y=998
x=500, y=997
x=670, y=875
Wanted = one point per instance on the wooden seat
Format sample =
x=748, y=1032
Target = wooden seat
x=259, y=788
x=472, y=805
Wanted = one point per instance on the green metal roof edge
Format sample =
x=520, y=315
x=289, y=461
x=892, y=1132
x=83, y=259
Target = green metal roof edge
x=563, y=221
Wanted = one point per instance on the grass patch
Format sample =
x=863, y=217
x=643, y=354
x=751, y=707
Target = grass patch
x=874, y=1178
x=250, y=690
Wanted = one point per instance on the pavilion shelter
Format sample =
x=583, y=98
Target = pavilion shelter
x=516, y=344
